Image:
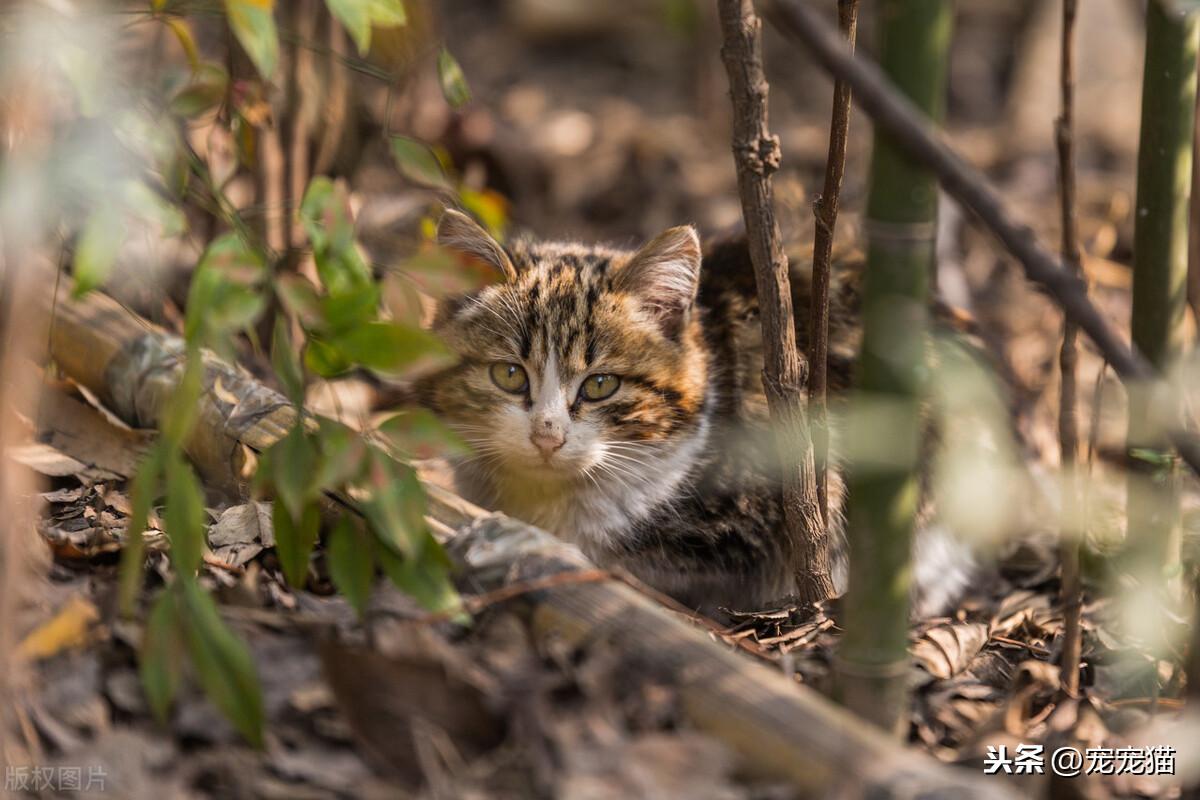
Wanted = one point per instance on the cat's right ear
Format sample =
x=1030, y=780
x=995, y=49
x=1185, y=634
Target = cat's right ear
x=458, y=232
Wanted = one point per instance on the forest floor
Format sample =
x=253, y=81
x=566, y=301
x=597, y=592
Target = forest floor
x=615, y=133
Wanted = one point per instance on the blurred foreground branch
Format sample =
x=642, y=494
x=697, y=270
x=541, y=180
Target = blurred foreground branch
x=756, y=154
x=920, y=139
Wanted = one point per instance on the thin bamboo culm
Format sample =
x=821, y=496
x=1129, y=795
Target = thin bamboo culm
x=872, y=668
x=1160, y=281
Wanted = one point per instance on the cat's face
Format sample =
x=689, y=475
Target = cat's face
x=580, y=362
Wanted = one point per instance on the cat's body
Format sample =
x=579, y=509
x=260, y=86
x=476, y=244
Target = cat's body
x=668, y=475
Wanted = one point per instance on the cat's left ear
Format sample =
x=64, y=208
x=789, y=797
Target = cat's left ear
x=665, y=275
x=456, y=231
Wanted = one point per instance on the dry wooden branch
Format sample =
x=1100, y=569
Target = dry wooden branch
x=825, y=209
x=1068, y=433
x=756, y=154
x=921, y=141
x=781, y=729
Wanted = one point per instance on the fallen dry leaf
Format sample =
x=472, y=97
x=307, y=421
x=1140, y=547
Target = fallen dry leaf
x=241, y=533
x=68, y=628
x=947, y=650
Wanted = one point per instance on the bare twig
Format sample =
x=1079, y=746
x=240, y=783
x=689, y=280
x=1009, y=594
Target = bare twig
x=825, y=209
x=1068, y=434
x=756, y=154
x=913, y=132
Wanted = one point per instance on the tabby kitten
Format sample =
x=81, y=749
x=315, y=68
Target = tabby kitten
x=614, y=398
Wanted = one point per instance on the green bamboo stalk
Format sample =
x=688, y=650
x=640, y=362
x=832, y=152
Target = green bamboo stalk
x=1160, y=278
x=872, y=666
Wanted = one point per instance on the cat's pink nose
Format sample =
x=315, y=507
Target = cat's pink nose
x=547, y=442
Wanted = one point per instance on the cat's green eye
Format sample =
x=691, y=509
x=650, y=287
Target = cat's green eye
x=509, y=377
x=599, y=387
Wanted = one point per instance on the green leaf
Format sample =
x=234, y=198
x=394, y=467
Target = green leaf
x=329, y=222
x=183, y=32
x=225, y=295
x=425, y=576
x=236, y=309
x=326, y=215
x=454, y=83
x=222, y=662
x=295, y=540
x=358, y=16
x=394, y=504
x=343, y=271
x=355, y=15
x=142, y=494
x=153, y=208
x=253, y=23
x=390, y=347
x=1156, y=458
x=418, y=433
x=294, y=464
x=323, y=359
x=184, y=517
x=418, y=163
x=343, y=455
x=387, y=13
x=97, y=248
x=204, y=92
x=162, y=656
x=184, y=404
x=351, y=565
x=300, y=297
x=202, y=292
x=350, y=308
x=286, y=364
x=235, y=260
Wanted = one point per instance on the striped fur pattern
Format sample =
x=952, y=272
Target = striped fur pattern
x=669, y=477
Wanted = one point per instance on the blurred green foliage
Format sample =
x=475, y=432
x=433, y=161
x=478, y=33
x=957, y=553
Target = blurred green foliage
x=321, y=329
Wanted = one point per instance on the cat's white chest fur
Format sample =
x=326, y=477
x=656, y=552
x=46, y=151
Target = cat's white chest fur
x=592, y=511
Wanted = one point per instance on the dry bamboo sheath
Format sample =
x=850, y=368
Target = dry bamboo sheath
x=780, y=729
